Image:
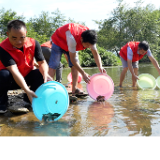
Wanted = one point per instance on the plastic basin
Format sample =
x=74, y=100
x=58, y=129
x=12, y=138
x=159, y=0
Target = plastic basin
x=100, y=85
x=146, y=81
x=52, y=98
x=69, y=77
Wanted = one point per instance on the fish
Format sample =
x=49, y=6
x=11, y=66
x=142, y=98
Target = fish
x=50, y=117
x=100, y=98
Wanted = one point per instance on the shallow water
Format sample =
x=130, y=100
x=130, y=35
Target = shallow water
x=129, y=112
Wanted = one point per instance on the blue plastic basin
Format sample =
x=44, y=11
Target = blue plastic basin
x=52, y=98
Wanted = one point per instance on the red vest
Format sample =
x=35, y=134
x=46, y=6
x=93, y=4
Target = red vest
x=134, y=48
x=47, y=44
x=25, y=59
x=59, y=36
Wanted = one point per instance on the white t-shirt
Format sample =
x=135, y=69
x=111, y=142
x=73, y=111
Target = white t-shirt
x=71, y=42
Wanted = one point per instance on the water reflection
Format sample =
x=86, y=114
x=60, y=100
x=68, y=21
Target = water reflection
x=90, y=118
x=137, y=109
x=128, y=112
x=99, y=116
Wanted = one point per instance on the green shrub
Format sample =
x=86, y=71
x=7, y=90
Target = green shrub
x=2, y=38
x=108, y=58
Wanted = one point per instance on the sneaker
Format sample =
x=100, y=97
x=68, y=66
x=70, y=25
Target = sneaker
x=3, y=109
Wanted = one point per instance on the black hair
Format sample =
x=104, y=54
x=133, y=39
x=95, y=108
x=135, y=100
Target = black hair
x=16, y=24
x=89, y=36
x=143, y=45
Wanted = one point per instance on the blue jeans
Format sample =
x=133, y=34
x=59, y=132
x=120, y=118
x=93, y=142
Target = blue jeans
x=55, y=57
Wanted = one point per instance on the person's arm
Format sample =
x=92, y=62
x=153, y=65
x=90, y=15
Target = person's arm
x=135, y=77
x=72, y=53
x=19, y=79
x=78, y=67
x=43, y=68
x=97, y=59
x=129, y=62
x=154, y=61
x=11, y=65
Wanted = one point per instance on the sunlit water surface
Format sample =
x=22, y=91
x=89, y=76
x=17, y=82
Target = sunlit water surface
x=129, y=112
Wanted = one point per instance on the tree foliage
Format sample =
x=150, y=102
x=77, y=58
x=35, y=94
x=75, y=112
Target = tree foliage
x=40, y=27
x=5, y=17
x=130, y=24
x=87, y=60
x=46, y=23
x=125, y=24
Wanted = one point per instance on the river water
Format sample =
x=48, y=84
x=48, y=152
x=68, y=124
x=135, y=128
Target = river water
x=128, y=112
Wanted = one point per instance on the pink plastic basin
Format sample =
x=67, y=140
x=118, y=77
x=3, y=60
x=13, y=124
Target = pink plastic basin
x=69, y=77
x=100, y=85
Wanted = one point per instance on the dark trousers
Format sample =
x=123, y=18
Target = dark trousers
x=34, y=79
x=47, y=53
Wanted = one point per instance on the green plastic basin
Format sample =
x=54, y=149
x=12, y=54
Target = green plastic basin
x=146, y=81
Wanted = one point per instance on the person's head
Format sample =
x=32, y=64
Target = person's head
x=88, y=37
x=143, y=47
x=16, y=31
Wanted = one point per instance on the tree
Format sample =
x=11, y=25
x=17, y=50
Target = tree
x=31, y=33
x=129, y=24
x=46, y=24
x=111, y=33
x=5, y=17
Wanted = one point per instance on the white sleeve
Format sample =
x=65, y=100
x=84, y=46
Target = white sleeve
x=129, y=53
x=94, y=47
x=149, y=54
x=71, y=42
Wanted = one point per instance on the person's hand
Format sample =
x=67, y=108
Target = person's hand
x=159, y=71
x=86, y=77
x=135, y=78
x=102, y=70
x=36, y=65
x=47, y=78
x=30, y=95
